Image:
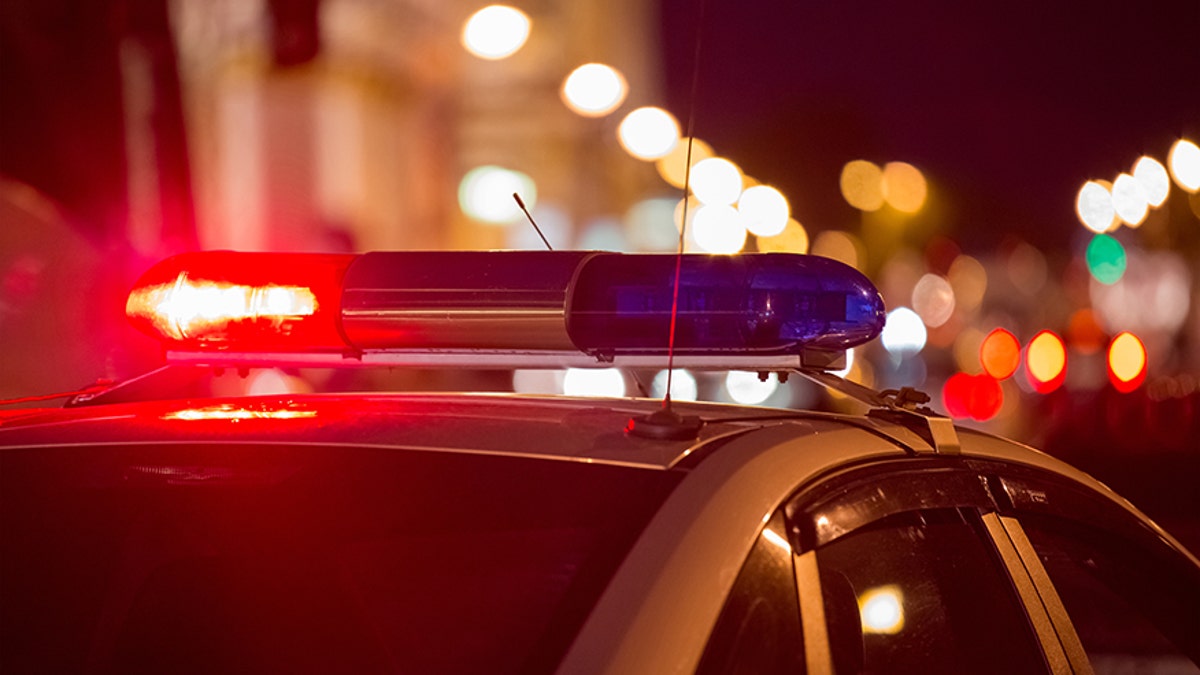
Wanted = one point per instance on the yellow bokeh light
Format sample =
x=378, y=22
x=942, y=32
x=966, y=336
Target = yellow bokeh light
x=718, y=228
x=495, y=32
x=793, y=239
x=968, y=277
x=1126, y=357
x=1184, y=161
x=862, y=185
x=649, y=133
x=764, y=210
x=1129, y=200
x=882, y=610
x=1154, y=180
x=716, y=180
x=1094, y=207
x=904, y=187
x=594, y=89
x=673, y=166
x=485, y=194
x=841, y=246
x=966, y=351
x=1045, y=358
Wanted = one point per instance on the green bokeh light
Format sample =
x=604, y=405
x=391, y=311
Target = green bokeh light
x=1106, y=259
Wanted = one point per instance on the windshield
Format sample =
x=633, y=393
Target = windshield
x=305, y=559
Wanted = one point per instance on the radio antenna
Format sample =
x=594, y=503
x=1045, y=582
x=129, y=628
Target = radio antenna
x=666, y=423
x=531, y=222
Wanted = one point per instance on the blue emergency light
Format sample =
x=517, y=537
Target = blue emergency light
x=507, y=308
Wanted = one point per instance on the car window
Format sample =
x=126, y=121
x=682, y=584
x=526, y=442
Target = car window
x=924, y=595
x=758, y=631
x=1134, y=612
x=281, y=558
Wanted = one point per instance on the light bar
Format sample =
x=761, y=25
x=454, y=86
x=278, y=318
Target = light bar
x=516, y=308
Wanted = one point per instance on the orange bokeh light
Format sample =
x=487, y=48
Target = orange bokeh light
x=1000, y=354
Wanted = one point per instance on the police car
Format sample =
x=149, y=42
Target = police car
x=150, y=526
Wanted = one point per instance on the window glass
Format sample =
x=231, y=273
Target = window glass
x=1135, y=611
x=758, y=632
x=924, y=594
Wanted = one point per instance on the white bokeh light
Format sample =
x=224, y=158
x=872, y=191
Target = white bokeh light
x=495, y=32
x=607, y=382
x=648, y=133
x=933, y=300
x=1184, y=161
x=683, y=386
x=745, y=387
x=716, y=180
x=486, y=194
x=882, y=610
x=718, y=229
x=904, y=332
x=1129, y=200
x=1094, y=207
x=764, y=210
x=1154, y=180
x=594, y=89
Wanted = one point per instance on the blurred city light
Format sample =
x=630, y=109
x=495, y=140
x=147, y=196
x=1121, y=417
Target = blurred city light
x=718, y=228
x=933, y=300
x=1094, y=205
x=649, y=225
x=1084, y=333
x=1000, y=354
x=608, y=382
x=764, y=210
x=1129, y=200
x=745, y=387
x=793, y=239
x=903, y=332
x=485, y=194
x=673, y=166
x=1126, y=362
x=968, y=278
x=1105, y=257
x=649, y=133
x=1046, y=362
x=1184, y=161
x=716, y=180
x=841, y=246
x=904, y=187
x=594, y=90
x=1154, y=295
x=978, y=397
x=495, y=32
x=862, y=185
x=1155, y=182
x=683, y=386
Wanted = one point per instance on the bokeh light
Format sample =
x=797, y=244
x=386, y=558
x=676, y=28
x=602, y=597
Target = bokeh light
x=1155, y=182
x=649, y=225
x=683, y=386
x=764, y=210
x=495, y=32
x=933, y=300
x=718, y=228
x=841, y=246
x=1105, y=258
x=594, y=90
x=1000, y=354
x=485, y=194
x=1129, y=200
x=673, y=166
x=745, y=387
x=648, y=133
x=862, y=185
x=1094, y=206
x=608, y=382
x=904, y=187
x=793, y=239
x=1154, y=295
x=716, y=180
x=978, y=397
x=1084, y=333
x=903, y=332
x=1046, y=362
x=1126, y=362
x=968, y=278
x=1184, y=161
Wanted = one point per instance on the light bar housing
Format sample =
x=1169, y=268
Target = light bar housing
x=507, y=309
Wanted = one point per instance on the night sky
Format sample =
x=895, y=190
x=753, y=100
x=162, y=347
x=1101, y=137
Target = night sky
x=1007, y=107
